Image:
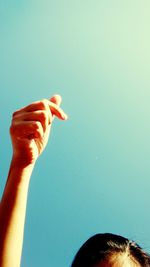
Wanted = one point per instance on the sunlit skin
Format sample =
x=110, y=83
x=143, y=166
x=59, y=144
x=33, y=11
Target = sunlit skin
x=30, y=130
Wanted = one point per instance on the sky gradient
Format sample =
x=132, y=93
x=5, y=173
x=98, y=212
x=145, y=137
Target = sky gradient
x=94, y=175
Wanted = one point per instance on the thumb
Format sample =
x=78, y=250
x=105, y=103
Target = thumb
x=56, y=99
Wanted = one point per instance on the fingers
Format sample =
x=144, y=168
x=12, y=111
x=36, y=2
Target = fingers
x=26, y=129
x=33, y=120
x=47, y=105
x=42, y=116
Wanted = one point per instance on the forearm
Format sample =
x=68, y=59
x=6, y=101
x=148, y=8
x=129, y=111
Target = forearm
x=12, y=214
x=29, y=130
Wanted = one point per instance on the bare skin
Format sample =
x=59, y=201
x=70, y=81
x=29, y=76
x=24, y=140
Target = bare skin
x=30, y=131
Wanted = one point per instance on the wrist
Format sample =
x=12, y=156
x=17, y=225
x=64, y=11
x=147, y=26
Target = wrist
x=22, y=162
x=18, y=177
x=21, y=170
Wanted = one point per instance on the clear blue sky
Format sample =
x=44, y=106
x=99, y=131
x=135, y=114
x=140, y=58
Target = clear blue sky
x=94, y=175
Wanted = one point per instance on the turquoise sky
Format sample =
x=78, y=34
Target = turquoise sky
x=94, y=175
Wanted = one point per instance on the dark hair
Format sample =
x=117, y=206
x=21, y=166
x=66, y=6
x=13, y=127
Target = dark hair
x=101, y=247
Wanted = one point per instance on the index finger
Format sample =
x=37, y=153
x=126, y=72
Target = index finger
x=56, y=99
x=57, y=111
x=44, y=104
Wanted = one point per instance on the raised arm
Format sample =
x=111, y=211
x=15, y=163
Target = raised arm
x=29, y=132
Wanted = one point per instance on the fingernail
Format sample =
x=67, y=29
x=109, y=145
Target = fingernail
x=65, y=117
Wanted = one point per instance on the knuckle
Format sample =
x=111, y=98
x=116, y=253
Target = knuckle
x=14, y=114
x=38, y=128
x=43, y=115
x=13, y=128
x=44, y=104
x=37, y=125
x=39, y=133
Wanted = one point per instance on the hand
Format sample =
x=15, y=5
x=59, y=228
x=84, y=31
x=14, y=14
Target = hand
x=31, y=126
